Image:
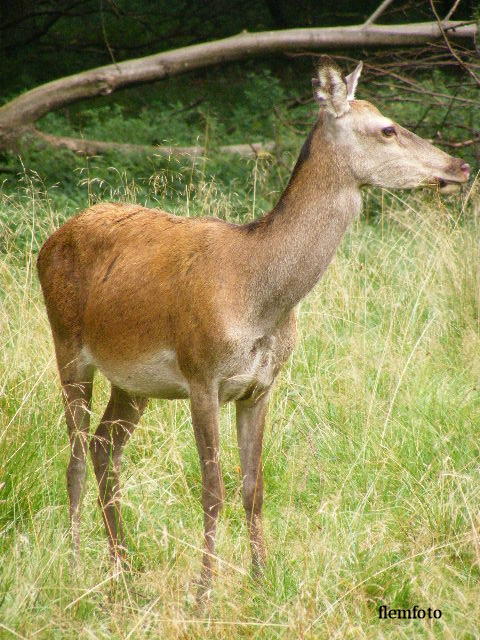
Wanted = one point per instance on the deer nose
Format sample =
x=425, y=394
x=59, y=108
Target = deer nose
x=465, y=167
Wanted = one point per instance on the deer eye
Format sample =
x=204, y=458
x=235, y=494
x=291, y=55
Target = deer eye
x=388, y=132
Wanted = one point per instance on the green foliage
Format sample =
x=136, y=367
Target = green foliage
x=254, y=112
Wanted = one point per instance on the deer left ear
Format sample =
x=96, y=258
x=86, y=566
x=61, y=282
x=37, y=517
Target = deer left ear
x=330, y=89
x=352, y=80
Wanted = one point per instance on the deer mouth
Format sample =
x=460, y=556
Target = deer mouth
x=448, y=185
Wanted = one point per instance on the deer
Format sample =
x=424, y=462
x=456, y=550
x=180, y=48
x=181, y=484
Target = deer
x=176, y=307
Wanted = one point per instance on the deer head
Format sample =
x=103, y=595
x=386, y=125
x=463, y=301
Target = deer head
x=374, y=149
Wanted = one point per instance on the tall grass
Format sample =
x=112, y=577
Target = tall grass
x=371, y=456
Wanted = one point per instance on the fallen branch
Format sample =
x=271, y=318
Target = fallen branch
x=34, y=104
x=98, y=147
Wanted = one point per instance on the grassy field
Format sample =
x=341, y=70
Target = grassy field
x=372, y=465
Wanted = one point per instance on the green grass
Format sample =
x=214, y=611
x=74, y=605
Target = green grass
x=371, y=454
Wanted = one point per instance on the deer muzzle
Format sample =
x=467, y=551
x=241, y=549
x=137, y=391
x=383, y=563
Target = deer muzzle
x=457, y=174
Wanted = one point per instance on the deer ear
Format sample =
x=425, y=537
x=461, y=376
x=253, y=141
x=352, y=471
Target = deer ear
x=330, y=89
x=352, y=81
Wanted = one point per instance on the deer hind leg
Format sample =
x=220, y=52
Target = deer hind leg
x=106, y=446
x=250, y=426
x=77, y=382
x=205, y=416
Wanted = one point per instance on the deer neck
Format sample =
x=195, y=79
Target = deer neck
x=295, y=242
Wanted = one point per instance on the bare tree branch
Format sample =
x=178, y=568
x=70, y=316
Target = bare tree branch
x=55, y=16
x=377, y=13
x=453, y=8
x=409, y=83
x=464, y=66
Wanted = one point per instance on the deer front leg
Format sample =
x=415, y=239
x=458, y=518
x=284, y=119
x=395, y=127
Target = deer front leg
x=250, y=425
x=205, y=414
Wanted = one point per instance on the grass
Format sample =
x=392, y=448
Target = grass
x=371, y=455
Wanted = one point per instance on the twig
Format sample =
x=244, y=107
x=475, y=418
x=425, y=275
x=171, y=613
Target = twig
x=449, y=108
x=465, y=143
x=386, y=70
x=105, y=36
x=187, y=107
x=378, y=12
x=418, y=89
x=452, y=10
x=422, y=117
x=464, y=66
x=459, y=144
x=413, y=86
x=289, y=125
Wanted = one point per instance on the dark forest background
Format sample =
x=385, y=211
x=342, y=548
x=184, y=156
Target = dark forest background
x=45, y=39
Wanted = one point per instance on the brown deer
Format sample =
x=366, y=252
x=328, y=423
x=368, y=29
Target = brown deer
x=172, y=307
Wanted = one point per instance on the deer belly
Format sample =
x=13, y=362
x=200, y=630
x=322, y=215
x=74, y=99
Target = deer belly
x=155, y=376
x=159, y=376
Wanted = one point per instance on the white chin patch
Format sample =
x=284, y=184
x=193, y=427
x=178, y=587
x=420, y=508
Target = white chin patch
x=449, y=187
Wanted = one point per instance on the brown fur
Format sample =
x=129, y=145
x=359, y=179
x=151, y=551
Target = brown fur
x=182, y=307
